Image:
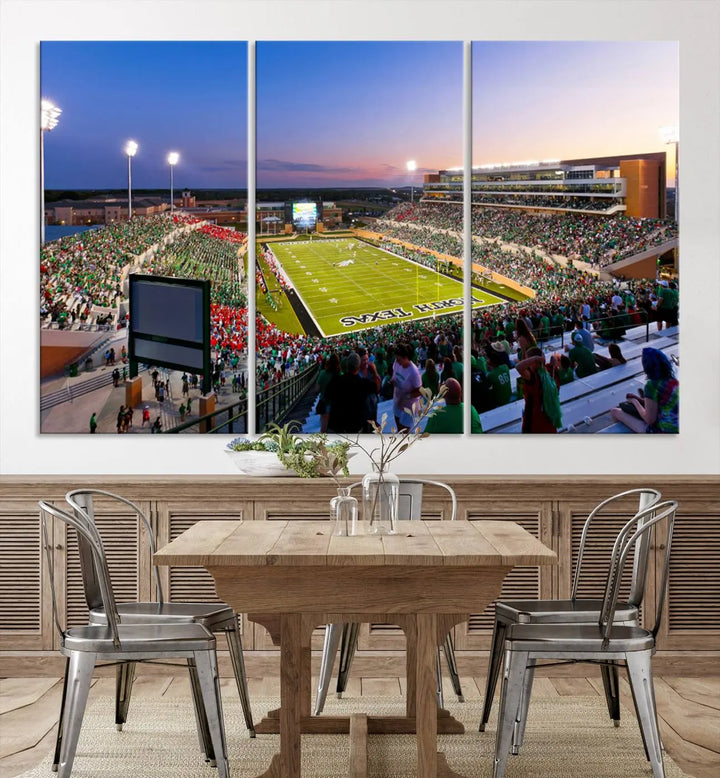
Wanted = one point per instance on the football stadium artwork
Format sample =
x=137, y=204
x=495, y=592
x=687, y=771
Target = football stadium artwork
x=584, y=225
x=369, y=319
x=359, y=252
x=143, y=297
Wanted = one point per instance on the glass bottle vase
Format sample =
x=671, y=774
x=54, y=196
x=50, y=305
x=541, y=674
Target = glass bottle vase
x=344, y=512
x=381, y=491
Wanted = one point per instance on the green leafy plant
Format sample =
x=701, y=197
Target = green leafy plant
x=309, y=456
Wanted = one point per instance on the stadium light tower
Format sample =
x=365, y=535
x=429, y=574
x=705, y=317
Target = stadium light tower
x=172, y=159
x=670, y=136
x=131, y=150
x=412, y=167
x=49, y=114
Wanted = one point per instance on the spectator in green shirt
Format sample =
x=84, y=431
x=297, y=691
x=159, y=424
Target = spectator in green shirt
x=450, y=418
x=431, y=378
x=498, y=377
x=581, y=358
x=561, y=369
x=667, y=306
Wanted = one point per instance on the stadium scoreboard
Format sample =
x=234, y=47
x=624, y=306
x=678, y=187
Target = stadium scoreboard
x=304, y=215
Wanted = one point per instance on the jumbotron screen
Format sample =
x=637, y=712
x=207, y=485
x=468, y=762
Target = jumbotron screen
x=304, y=214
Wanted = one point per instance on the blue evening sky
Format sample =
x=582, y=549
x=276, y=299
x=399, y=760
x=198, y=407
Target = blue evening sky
x=189, y=97
x=345, y=113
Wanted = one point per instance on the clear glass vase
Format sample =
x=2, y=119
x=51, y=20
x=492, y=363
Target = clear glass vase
x=381, y=491
x=344, y=512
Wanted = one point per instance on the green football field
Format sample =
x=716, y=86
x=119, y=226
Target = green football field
x=347, y=285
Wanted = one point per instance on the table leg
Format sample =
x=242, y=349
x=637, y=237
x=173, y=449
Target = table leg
x=290, y=676
x=425, y=691
x=429, y=631
x=295, y=632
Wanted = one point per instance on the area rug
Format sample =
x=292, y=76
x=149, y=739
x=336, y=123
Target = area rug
x=566, y=736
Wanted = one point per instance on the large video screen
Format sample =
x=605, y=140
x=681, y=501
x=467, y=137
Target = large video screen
x=170, y=322
x=304, y=214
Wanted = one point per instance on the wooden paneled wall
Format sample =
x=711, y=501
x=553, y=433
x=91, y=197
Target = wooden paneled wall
x=551, y=507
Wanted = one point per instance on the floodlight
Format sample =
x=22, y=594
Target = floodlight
x=172, y=159
x=49, y=114
x=131, y=148
x=411, y=166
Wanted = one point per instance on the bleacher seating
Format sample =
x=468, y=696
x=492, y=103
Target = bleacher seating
x=590, y=398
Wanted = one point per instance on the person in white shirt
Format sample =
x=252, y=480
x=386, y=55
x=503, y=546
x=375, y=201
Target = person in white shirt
x=406, y=386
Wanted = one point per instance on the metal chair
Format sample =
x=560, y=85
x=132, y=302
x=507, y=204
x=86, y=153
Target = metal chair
x=603, y=642
x=115, y=641
x=346, y=635
x=214, y=616
x=575, y=610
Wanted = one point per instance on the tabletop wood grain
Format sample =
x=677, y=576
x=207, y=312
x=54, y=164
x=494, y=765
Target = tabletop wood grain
x=311, y=543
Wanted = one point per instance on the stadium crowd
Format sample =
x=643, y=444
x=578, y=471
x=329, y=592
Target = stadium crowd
x=83, y=270
x=86, y=270
x=597, y=240
x=210, y=253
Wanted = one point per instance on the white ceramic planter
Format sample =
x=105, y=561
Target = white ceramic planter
x=259, y=463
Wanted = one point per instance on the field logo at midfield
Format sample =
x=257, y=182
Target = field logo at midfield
x=367, y=318
x=399, y=313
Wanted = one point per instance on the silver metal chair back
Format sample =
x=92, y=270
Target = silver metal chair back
x=82, y=502
x=639, y=531
x=411, y=496
x=95, y=559
x=646, y=499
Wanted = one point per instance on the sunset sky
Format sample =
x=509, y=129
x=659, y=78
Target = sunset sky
x=354, y=113
x=566, y=100
x=345, y=113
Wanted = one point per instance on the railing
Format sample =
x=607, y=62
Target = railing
x=56, y=325
x=272, y=406
x=614, y=332
x=235, y=421
x=276, y=401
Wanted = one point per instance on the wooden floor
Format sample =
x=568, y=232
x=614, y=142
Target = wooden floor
x=689, y=710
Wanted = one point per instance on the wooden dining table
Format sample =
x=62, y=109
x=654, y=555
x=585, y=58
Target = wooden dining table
x=292, y=576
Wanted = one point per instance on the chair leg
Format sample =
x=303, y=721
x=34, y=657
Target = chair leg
x=330, y=647
x=449, y=649
x=58, y=739
x=238, y=663
x=80, y=670
x=494, y=667
x=207, y=671
x=521, y=720
x=641, y=681
x=201, y=722
x=124, y=677
x=348, y=644
x=438, y=676
x=512, y=687
x=612, y=690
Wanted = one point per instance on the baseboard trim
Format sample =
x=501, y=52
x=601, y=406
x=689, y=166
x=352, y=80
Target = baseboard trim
x=375, y=664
